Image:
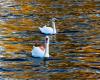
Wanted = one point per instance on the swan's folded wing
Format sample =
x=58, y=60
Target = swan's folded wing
x=36, y=52
x=49, y=30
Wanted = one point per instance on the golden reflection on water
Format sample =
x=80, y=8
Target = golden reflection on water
x=77, y=52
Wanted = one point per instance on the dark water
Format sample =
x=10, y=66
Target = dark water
x=74, y=51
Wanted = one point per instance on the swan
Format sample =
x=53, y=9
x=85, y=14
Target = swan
x=40, y=51
x=49, y=30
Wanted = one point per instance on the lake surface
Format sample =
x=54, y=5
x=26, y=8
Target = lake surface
x=74, y=50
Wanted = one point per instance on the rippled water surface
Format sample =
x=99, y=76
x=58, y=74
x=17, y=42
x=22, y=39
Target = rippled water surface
x=74, y=51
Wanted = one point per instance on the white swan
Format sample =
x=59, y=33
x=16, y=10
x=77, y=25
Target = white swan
x=41, y=51
x=49, y=30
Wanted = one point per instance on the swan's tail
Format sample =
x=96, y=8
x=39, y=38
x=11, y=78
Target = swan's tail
x=40, y=28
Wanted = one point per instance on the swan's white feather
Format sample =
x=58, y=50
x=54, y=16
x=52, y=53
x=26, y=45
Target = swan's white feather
x=37, y=52
x=46, y=30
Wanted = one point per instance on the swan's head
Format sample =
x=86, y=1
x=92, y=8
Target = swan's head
x=47, y=39
x=53, y=19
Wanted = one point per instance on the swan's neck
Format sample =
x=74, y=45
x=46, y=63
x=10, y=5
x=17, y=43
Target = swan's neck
x=54, y=26
x=46, y=46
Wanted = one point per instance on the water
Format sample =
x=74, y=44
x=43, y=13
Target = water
x=74, y=51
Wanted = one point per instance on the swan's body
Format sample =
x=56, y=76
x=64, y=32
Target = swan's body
x=49, y=30
x=46, y=30
x=41, y=51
